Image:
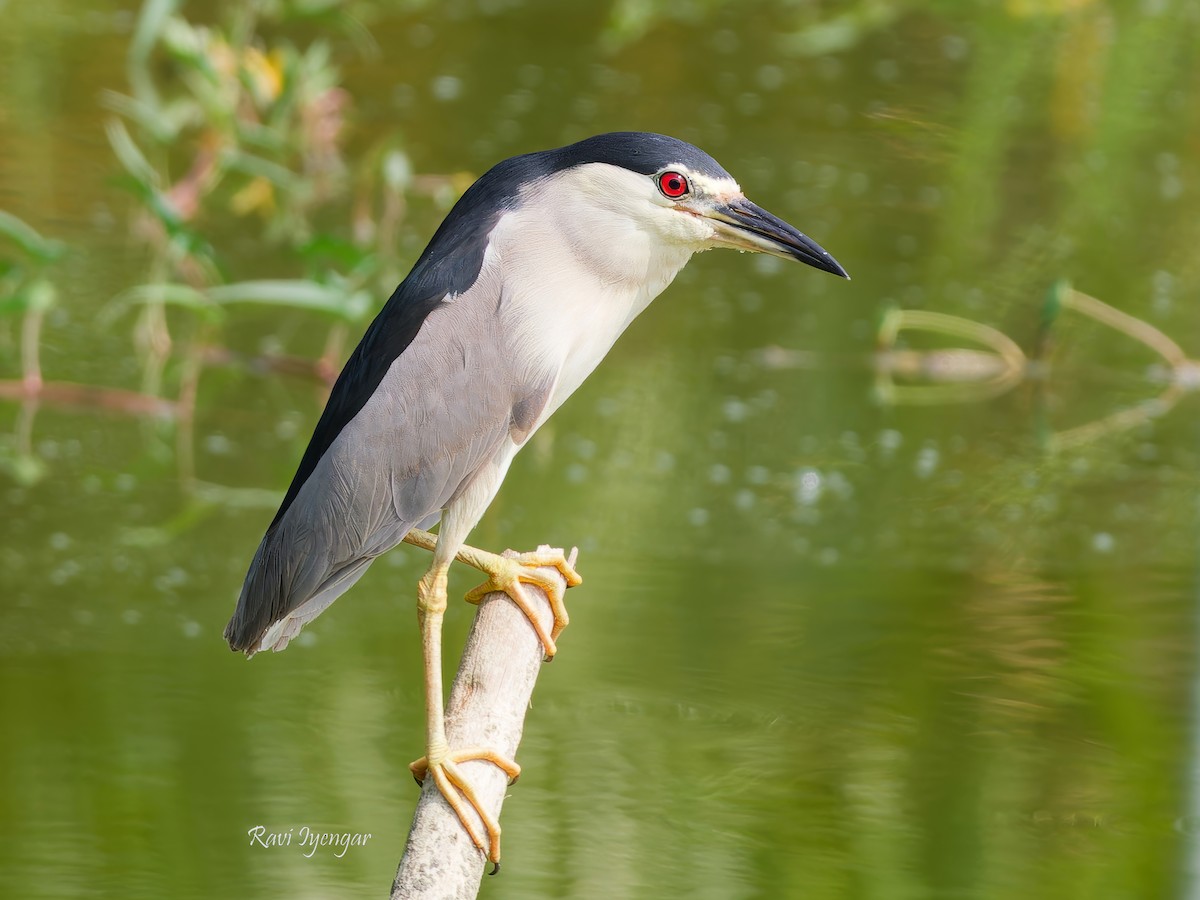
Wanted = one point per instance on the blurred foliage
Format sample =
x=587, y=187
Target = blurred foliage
x=234, y=133
x=827, y=648
x=27, y=293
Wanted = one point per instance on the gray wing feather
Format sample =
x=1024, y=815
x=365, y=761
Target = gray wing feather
x=443, y=410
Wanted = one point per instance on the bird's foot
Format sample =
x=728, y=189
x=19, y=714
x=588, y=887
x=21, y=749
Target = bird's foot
x=443, y=766
x=507, y=574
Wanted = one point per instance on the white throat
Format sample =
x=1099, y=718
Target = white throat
x=576, y=273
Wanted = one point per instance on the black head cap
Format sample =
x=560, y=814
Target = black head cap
x=639, y=151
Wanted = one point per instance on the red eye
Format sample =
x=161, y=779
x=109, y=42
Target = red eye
x=673, y=185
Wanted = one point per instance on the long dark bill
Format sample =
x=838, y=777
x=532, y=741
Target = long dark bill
x=756, y=229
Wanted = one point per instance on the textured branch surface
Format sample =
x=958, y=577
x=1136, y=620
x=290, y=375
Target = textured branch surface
x=486, y=709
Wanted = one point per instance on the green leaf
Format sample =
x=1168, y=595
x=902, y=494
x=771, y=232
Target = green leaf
x=295, y=293
x=249, y=164
x=15, y=303
x=326, y=248
x=151, y=21
x=150, y=24
x=42, y=295
x=36, y=296
x=130, y=155
x=167, y=293
x=24, y=236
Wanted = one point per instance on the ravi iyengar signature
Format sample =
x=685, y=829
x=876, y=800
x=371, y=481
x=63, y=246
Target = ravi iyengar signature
x=307, y=839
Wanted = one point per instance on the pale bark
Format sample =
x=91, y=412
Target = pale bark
x=487, y=706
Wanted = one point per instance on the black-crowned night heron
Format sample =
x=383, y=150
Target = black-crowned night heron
x=528, y=282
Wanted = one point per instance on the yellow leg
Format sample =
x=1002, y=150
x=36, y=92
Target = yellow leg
x=424, y=539
x=439, y=760
x=507, y=575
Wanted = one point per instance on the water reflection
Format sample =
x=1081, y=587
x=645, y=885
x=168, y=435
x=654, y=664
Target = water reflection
x=827, y=646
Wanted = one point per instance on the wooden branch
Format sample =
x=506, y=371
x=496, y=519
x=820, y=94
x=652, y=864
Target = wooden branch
x=487, y=708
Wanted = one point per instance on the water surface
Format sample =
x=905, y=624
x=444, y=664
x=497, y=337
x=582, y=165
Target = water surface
x=827, y=647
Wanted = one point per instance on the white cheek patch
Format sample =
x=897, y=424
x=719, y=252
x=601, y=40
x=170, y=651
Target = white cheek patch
x=720, y=189
x=689, y=228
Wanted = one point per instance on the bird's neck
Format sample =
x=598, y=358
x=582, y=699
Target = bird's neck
x=571, y=288
x=586, y=259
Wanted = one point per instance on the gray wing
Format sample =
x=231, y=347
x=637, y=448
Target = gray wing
x=443, y=409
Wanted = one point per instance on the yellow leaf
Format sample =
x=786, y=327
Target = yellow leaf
x=257, y=196
x=266, y=76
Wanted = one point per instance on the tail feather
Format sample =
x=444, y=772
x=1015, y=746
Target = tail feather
x=321, y=544
x=294, y=576
x=263, y=600
x=288, y=573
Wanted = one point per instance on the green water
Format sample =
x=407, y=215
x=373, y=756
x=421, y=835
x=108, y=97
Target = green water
x=827, y=647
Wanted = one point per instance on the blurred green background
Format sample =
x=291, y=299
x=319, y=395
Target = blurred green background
x=856, y=624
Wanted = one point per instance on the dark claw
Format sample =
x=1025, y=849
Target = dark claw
x=495, y=868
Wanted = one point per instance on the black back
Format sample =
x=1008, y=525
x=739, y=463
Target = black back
x=451, y=263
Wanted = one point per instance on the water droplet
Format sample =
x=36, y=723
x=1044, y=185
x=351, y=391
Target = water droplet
x=420, y=35
x=446, y=88
x=890, y=441
x=726, y=41
x=770, y=77
x=887, y=70
x=749, y=104
x=808, y=487
x=735, y=410
x=65, y=572
x=719, y=474
x=758, y=475
x=927, y=461
x=955, y=47
x=608, y=407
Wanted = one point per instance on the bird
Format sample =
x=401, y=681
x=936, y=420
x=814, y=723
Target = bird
x=525, y=286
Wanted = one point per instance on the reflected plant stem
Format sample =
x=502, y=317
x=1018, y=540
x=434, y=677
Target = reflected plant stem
x=1145, y=334
x=193, y=366
x=155, y=341
x=86, y=396
x=151, y=334
x=1122, y=420
x=24, y=430
x=329, y=364
x=31, y=367
x=973, y=375
x=1140, y=331
x=977, y=375
x=292, y=366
